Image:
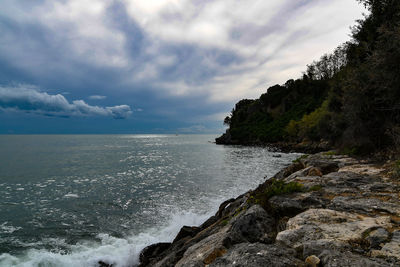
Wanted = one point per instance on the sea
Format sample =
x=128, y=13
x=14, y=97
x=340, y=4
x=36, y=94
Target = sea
x=75, y=200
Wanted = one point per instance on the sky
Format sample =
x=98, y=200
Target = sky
x=153, y=66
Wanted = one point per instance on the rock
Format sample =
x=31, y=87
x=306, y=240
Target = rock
x=316, y=247
x=377, y=237
x=314, y=171
x=325, y=165
x=258, y=255
x=390, y=249
x=342, y=217
x=379, y=187
x=312, y=261
x=152, y=252
x=293, y=204
x=253, y=225
x=296, y=166
x=364, y=205
x=210, y=221
x=104, y=264
x=187, y=231
x=348, y=180
x=225, y=138
x=206, y=249
x=328, y=225
x=364, y=169
x=300, y=173
x=286, y=206
x=229, y=207
x=332, y=258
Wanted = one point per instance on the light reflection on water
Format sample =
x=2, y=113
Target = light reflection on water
x=59, y=191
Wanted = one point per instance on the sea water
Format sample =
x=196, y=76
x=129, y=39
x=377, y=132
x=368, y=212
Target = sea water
x=75, y=200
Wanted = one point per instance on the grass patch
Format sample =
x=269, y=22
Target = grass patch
x=331, y=153
x=315, y=188
x=225, y=222
x=396, y=169
x=300, y=158
x=274, y=187
x=236, y=213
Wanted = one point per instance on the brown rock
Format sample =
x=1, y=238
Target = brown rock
x=314, y=172
x=312, y=261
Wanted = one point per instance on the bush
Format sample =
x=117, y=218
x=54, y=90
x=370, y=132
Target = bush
x=311, y=126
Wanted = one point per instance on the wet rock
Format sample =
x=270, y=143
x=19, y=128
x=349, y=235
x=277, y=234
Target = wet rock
x=377, y=237
x=210, y=221
x=258, y=255
x=312, y=261
x=205, y=249
x=187, y=231
x=104, y=264
x=252, y=225
x=231, y=206
x=152, y=252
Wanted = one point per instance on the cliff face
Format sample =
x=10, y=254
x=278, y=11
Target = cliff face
x=323, y=210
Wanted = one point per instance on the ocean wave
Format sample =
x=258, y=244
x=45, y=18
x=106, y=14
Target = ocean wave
x=121, y=252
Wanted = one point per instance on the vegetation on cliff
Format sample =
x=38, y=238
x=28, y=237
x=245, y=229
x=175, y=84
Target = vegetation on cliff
x=350, y=98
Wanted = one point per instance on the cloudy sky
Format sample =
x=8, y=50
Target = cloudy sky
x=153, y=66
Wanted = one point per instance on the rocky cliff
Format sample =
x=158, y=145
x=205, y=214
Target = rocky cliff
x=323, y=210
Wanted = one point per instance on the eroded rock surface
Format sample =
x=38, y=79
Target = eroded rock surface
x=340, y=210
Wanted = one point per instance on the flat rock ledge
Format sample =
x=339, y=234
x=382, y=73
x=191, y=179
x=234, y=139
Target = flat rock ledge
x=342, y=212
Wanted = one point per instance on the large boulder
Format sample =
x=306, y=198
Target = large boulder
x=328, y=225
x=206, y=250
x=258, y=255
x=252, y=225
x=152, y=252
x=186, y=231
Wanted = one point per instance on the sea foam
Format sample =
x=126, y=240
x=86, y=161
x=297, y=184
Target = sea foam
x=121, y=252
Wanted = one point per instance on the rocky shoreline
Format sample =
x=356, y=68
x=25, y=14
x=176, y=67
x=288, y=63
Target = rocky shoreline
x=308, y=147
x=323, y=210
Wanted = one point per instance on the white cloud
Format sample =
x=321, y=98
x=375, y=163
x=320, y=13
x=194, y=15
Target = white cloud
x=271, y=40
x=274, y=39
x=97, y=97
x=29, y=99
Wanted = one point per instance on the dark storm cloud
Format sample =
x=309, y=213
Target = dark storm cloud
x=183, y=62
